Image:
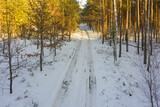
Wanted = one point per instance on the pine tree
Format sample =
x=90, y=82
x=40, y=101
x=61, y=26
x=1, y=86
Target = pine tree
x=39, y=15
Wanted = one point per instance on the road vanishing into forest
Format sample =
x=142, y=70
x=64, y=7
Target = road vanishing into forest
x=78, y=88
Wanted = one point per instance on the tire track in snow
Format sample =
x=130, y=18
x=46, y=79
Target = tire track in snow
x=68, y=77
x=92, y=77
x=81, y=90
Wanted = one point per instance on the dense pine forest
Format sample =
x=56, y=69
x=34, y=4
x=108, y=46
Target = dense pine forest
x=60, y=53
x=136, y=20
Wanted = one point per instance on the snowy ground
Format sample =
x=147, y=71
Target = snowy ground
x=81, y=75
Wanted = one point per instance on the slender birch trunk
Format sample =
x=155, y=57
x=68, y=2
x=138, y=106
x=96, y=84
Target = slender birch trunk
x=115, y=46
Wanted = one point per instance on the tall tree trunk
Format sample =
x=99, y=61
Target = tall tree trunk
x=142, y=25
x=123, y=35
x=8, y=19
x=98, y=23
x=29, y=35
x=138, y=24
x=158, y=20
x=111, y=22
x=142, y=37
x=127, y=26
x=115, y=43
x=38, y=40
x=151, y=25
x=120, y=44
x=63, y=22
x=4, y=44
x=103, y=18
x=145, y=41
x=130, y=18
x=156, y=29
x=106, y=21
x=50, y=39
x=148, y=38
x=41, y=54
x=135, y=31
x=10, y=61
x=56, y=37
x=149, y=51
x=138, y=43
x=100, y=27
x=70, y=27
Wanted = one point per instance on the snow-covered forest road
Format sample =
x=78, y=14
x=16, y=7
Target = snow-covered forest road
x=82, y=74
x=79, y=83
